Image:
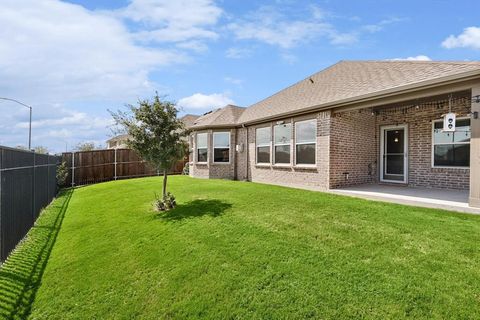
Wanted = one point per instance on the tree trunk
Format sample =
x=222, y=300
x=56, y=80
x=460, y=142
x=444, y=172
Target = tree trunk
x=164, y=190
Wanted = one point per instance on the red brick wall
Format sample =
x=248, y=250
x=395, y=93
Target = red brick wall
x=420, y=170
x=352, y=149
x=214, y=170
x=355, y=145
x=290, y=175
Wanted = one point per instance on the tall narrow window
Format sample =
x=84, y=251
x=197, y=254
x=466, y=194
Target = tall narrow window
x=451, y=149
x=305, y=142
x=282, y=134
x=202, y=147
x=263, y=142
x=221, y=147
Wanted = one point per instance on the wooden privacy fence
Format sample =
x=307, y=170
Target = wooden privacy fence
x=87, y=167
x=27, y=184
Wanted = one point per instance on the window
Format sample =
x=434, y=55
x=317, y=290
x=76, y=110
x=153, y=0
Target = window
x=202, y=147
x=305, y=142
x=221, y=147
x=263, y=142
x=451, y=149
x=282, y=135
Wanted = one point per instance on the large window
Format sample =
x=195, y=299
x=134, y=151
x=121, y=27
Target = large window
x=451, y=149
x=221, y=147
x=282, y=134
x=305, y=142
x=202, y=147
x=263, y=144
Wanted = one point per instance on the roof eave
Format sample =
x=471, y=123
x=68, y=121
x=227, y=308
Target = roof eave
x=215, y=126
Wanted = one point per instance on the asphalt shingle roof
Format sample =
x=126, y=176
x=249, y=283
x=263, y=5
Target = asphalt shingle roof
x=189, y=119
x=222, y=117
x=350, y=79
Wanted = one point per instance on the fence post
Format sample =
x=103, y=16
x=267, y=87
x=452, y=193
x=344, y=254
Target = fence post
x=73, y=169
x=48, y=175
x=34, y=168
x=1, y=218
x=115, y=163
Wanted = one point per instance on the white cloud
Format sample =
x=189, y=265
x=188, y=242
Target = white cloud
x=234, y=81
x=238, y=53
x=200, y=101
x=69, y=118
x=415, y=58
x=61, y=57
x=62, y=50
x=373, y=28
x=469, y=38
x=271, y=26
x=173, y=21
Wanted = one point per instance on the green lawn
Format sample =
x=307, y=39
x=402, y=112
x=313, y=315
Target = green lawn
x=239, y=250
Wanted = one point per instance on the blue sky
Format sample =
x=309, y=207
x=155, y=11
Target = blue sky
x=74, y=60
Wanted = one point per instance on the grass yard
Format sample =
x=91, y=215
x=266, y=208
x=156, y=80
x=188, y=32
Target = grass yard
x=238, y=250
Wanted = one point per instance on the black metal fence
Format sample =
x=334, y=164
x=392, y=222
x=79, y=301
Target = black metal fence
x=27, y=184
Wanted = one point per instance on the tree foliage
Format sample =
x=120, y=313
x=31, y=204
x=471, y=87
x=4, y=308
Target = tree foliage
x=85, y=146
x=41, y=149
x=157, y=134
x=62, y=174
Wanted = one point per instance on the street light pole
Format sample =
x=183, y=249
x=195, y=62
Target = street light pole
x=30, y=121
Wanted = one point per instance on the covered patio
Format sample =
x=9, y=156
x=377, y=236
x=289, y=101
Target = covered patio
x=455, y=200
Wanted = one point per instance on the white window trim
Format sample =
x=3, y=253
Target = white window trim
x=281, y=144
x=197, y=148
x=269, y=145
x=301, y=143
x=432, y=163
x=229, y=147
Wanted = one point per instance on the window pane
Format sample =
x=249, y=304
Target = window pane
x=462, y=131
x=306, y=154
x=262, y=136
x=202, y=140
x=282, y=133
x=282, y=154
x=452, y=155
x=442, y=137
x=394, y=164
x=394, y=141
x=202, y=155
x=462, y=155
x=221, y=154
x=263, y=154
x=221, y=140
x=305, y=131
x=461, y=134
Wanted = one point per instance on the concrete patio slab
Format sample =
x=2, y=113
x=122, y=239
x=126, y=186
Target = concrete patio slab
x=455, y=200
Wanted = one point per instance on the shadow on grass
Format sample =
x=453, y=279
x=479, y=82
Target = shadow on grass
x=21, y=274
x=195, y=208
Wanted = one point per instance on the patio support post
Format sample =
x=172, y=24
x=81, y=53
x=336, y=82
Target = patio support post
x=474, y=199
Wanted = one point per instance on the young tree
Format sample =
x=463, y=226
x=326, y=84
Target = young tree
x=85, y=146
x=41, y=149
x=157, y=135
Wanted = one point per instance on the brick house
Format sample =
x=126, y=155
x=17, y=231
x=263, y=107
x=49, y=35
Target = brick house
x=356, y=122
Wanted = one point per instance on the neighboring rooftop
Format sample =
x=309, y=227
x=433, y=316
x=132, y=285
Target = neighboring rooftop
x=120, y=137
x=222, y=117
x=348, y=80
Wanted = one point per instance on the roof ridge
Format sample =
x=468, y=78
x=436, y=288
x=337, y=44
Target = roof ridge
x=455, y=62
